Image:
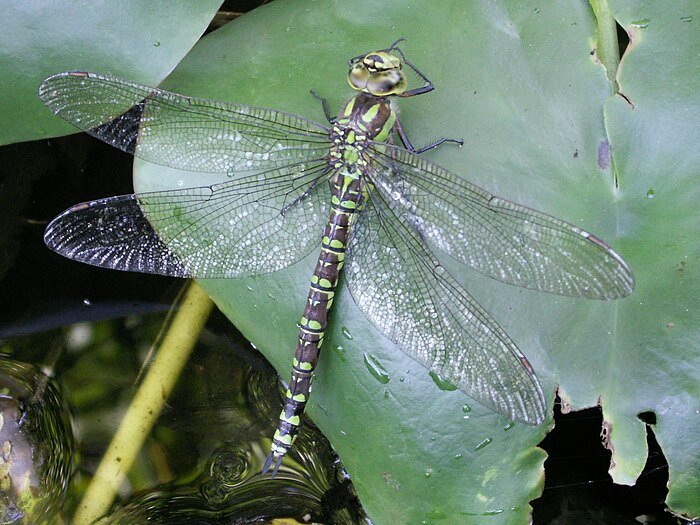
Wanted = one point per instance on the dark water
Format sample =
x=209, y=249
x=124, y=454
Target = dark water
x=36, y=443
x=202, y=461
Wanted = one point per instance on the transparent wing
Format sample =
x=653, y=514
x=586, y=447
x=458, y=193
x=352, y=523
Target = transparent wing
x=403, y=291
x=253, y=225
x=498, y=238
x=182, y=132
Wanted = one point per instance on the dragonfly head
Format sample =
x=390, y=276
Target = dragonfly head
x=378, y=73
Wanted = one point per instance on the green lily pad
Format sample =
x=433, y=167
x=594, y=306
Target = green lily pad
x=139, y=40
x=542, y=128
x=653, y=132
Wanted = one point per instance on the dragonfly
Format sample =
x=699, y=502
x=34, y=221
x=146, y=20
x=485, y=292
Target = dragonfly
x=357, y=191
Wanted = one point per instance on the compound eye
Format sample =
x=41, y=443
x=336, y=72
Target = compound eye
x=392, y=82
x=378, y=73
x=358, y=76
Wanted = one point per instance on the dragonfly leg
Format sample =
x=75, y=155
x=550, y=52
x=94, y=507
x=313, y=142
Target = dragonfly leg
x=303, y=196
x=407, y=143
x=326, y=107
x=427, y=87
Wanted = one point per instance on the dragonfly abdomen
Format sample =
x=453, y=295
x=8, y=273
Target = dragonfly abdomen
x=346, y=191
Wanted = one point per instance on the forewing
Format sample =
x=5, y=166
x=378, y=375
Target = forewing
x=182, y=132
x=498, y=238
x=408, y=295
x=250, y=226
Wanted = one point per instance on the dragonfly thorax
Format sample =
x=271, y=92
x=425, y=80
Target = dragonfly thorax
x=363, y=119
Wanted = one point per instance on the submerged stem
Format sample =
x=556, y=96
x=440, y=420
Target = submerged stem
x=158, y=383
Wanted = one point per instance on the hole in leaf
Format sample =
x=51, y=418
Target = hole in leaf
x=648, y=417
x=623, y=39
x=578, y=488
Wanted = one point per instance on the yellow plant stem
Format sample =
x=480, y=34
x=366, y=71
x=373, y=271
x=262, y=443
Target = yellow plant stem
x=144, y=409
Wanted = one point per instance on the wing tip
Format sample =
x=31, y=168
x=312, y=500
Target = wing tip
x=624, y=281
x=532, y=408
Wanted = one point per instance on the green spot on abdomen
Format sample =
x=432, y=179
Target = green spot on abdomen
x=294, y=420
x=286, y=439
x=314, y=325
x=305, y=366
